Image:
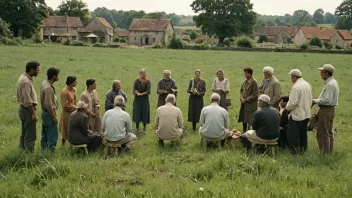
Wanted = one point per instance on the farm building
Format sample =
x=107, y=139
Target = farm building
x=122, y=33
x=54, y=27
x=150, y=31
x=342, y=38
x=275, y=34
x=305, y=34
x=101, y=28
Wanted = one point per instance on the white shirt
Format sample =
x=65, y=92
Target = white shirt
x=116, y=123
x=330, y=93
x=300, y=100
x=213, y=121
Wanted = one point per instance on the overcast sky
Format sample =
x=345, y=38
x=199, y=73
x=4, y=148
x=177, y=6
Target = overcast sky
x=268, y=7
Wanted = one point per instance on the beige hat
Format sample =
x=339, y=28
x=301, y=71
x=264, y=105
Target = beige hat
x=295, y=72
x=81, y=105
x=328, y=67
x=268, y=69
x=264, y=98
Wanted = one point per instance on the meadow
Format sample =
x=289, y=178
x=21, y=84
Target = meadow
x=181, y=171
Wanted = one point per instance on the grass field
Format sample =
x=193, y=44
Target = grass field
x=174, y=172
x=326, y=25
x=187, y=27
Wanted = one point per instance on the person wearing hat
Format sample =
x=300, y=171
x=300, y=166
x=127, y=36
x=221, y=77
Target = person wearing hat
x=78, y=131
x=327, y=101
x=270, y=86
x=299, y=104
x=265, y=125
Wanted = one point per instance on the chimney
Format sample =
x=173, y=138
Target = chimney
x=160, y=16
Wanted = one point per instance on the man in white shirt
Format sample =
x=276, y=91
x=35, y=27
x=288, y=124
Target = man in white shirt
x=327, y=101
x=299, y=104
x=214, y=121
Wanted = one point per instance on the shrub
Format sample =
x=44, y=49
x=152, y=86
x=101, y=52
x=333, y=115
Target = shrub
x=97, y=44
x=203, y=46
x=158, y=45
x=36, y=39
x=116, y=39
x=304, y=46
x=4, y=28
x=338, y=47
x=289, y=40
x=244, y=42
x=316, y=42
x=193, y=35
x=227, y=42
x=67, y=42
x=18, y=40
x=122, y=41
x=113, y=45
x=327, y=45
x=8, y=41
x=262, y=39
x=77, y=43
x=175, y=43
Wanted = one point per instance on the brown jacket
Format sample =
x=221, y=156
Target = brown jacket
x=249, y=91
x=273, y=90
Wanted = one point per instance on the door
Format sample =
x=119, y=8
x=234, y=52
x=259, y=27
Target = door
x=147, y=41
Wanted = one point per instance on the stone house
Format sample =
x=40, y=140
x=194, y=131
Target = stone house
x=101, y=28
x=55, y=27
x=305, y=34
x=275, y=34
x=122, y=33
x=150, y=31
x=342, y=38
x=292, y=30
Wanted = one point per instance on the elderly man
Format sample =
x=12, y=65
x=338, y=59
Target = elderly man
x=90, y=97
x=270, y=86
x=49, y=105
x=117, y=126
x=169, y=121
x=299, y=104
x=111, y=95
x=214, y=121
x=221, y=86
x=265, y=124
x=165, y=86
x=78, y=128
x=27, y=100
x=327, y=101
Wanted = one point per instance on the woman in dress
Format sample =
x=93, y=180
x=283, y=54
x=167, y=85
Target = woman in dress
x=196, y=89
x=221, y=86
x=141, y=106
x=68, y=102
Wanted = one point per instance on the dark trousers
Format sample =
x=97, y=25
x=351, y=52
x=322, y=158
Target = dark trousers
x=282, y=141
x=29, y=129
x=94, y=143
x=49, y=132
x=297, y=135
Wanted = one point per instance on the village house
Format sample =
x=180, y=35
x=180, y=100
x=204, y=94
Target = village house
x=342, y=38
x=275, y=34
x=101, y=28
x=58, y=27
x=150, y=31
x=305, y=34
x=122, y=34
x=292, y=30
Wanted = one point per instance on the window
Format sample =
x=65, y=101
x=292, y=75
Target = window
x=135, y=38
x=153, y=39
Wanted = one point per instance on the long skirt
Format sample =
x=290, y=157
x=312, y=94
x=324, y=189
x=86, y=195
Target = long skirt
x=141, y=110
x=245, y=116
x=223, y=101
x=63, y=127
x=195, y=106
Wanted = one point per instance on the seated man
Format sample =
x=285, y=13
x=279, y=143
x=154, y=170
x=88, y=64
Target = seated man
x=214, y=122
x=282, y=141
x=78, y=129
x=111, y=95
x=117, y=125
x=169, y=121
x=265, y=125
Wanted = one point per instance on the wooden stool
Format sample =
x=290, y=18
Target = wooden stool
x=109, y=146
x=80, y=146
x=269, y=147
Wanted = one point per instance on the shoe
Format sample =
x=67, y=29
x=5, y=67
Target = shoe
x=161, y=143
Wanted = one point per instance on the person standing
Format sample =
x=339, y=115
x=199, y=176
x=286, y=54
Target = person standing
x=221, y=86
x=299, y=104
x=196, y=89
x=111, y=95
x=27, y=99
x=248, y=98
x=282, y=141
x=68, y=103
x=49, y=105
x=270, y=86
x=166, y=86
x=90, y=97
x=327, y=102
x=141, y=106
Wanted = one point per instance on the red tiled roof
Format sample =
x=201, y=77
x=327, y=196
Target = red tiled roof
x=292, y=30
x=104, y=22
x=157, y=25
x=122, y=32
x=345, y=34
x=59, y=21
x=321, y=33
x=270, y=30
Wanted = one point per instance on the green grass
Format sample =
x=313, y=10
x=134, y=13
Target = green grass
x=174, y=172
x=326, y=25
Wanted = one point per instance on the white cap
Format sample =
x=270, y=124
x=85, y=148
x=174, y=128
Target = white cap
x=268, y=69
x=296, y=72
x=264, y=98
x=81, y=105
x=328, y=67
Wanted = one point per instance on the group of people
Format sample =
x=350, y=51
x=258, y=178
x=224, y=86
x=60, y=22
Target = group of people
x=266, y=116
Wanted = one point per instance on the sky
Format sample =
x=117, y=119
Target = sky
x=267, y=7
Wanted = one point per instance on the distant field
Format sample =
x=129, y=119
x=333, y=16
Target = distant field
x=174, y=172
x=326, y=25
x=188, y=27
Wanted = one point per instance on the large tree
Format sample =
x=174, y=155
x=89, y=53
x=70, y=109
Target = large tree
x=4, y=28
x=318, y=16
x=75, y=8
x=329, y=18
x=106, y=14
x=224, y=18
x=24, y=16
x=344, y=15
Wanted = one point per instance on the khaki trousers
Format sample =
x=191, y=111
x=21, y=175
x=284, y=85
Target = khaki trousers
x=129, y=140
x=325, y=134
